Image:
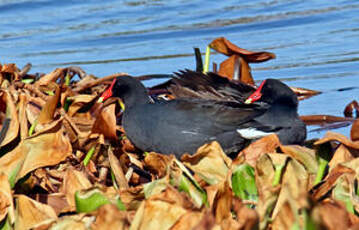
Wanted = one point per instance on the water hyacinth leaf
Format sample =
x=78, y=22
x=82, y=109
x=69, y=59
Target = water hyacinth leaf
x=341, y=155
x=31, y=214
x=243, y=182
x=13, y=126
x=209, y=162
x=89, y=201
x=50, y=77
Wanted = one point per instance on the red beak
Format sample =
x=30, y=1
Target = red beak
x=256, y=95
x=108, y=93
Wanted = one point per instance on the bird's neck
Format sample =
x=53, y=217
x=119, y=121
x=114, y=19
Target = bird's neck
x=136, y=96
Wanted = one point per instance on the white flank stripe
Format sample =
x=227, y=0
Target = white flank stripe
x=252, y=133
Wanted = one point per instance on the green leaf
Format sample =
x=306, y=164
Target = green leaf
x=243, y=183
x=89, y=201
x=5, y=224
x=27, y=81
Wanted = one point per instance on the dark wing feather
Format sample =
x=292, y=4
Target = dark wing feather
x=209, y=86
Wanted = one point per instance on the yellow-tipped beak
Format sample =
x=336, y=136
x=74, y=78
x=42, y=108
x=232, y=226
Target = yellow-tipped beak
x=248, y=101
x=122, y=105
x=100, y=100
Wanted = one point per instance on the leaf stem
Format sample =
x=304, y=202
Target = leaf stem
x=206, y=60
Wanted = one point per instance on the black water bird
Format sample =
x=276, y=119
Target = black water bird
x=232, y=114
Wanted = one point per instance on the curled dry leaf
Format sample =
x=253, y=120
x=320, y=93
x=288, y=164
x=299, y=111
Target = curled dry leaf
x=24, y=129
x=303, y=93
x=6, y=200
x=31, y=214
x=10, y=126
x=334, y=216
x=331, y=136
x=109, y=217
x=302, y=154
x=225, y=47
x=48, y=110
x=106, y=122
x=46, y=148
x=157, y=214
x=74, y=181
x=222, y=203
x=323, y=119
x=236, y=65
x=350, y=108
x=78, y=102
x=117, y=170
x=267, y=144
x=157, y=163
x=209, y=162
x=51, y=77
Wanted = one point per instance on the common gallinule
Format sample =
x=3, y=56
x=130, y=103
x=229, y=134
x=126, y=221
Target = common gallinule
x=184, y=124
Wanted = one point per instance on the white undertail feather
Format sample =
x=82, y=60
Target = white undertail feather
x=252, y=133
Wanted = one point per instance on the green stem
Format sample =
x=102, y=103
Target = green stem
x=89, y=155
x=321, y=169
x=32, y=128
x=206, y=60
x=114, y=180
x=277, y=174
x=67, y=79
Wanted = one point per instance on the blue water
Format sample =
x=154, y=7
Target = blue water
x=316, y=42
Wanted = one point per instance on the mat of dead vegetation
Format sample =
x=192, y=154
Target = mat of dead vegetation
x=65, y=163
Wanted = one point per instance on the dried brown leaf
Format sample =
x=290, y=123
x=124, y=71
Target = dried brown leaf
x=48, y=110
x=74, y=181
x=109, y=217
x=222, y=203
x=46, y=148
x=302, y=154
x=78, y=102
x=323, y=119
x=225, y=47
x=50, y=77
x=330, y=181
x=354, y=132
x=117, y=170
x=352, y=106
x=228, y=69
x=209, y=162
x=304, y=92
x=106, y=122
x=157, y=163
x=341, y=155
x=334, y=216
x=12, y=116
x=6, y=203
x=24, y=129
x=157, y=214
x=331, y=136
x=31, y=214
x=262, y=146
